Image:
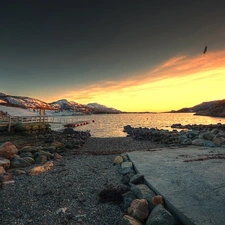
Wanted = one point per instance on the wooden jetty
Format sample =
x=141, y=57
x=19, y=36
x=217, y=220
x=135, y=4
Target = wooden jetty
x=35, y=123
x=23, y=123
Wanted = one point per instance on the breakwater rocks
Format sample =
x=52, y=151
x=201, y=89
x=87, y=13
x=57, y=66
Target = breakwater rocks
x=202, y=127
x=140, y=204
x=40, y=156
x=200, y=135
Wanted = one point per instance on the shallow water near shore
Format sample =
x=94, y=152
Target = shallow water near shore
x=111, y=125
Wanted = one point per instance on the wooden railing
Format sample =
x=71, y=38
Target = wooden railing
x=8, y=121
x=14, y=120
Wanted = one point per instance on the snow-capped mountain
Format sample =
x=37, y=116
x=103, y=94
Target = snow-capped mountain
x=60, y=105
x=63, y=104
x=24, y=102
x=99, y=107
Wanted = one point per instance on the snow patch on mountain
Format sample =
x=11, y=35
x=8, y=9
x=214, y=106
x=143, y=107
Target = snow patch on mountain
x=68, y=107
x=15, y=111
x=100, y=107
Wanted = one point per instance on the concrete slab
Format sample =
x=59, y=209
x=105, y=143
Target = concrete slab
x=191, y=180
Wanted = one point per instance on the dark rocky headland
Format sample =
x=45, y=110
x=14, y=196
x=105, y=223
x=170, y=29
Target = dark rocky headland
x=212, y=135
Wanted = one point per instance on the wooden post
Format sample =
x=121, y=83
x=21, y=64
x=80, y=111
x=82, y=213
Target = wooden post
x=9, y=125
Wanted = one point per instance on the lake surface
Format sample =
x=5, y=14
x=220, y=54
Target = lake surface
x=111, y=125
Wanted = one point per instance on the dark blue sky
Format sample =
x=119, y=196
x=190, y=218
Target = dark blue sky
x=49, y=47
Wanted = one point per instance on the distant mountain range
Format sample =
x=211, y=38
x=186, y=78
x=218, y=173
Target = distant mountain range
x=60, y=105
x=212, y=108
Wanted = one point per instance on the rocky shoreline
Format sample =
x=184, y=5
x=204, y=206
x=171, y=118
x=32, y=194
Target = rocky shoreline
x=212, y=135
x=68, y=192
x=76, y=178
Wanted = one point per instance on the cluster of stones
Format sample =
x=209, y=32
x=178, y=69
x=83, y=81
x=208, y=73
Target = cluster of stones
x=14, y=160
x=69, y=138
x=210, y=136
x=199, y=126
x=141, y=205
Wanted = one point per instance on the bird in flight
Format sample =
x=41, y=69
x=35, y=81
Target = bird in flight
x=205, y=49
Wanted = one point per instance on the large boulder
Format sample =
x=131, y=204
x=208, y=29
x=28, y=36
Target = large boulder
x=8, y=150
x=139, y=209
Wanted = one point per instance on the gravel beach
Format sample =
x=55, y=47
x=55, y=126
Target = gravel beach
x=69, y=192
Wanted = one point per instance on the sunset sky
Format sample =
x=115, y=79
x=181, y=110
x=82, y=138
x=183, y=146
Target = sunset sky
x=131, y=55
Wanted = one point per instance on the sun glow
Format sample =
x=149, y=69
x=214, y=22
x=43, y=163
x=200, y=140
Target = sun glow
x=179, y=82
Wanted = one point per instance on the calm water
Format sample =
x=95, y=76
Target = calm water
x=111, y=125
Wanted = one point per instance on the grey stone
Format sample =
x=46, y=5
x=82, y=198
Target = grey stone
x=128, y=198
x=18, y=162
x=26, y=154
x=198, y=142
x=215, y=131
x=160, y=216
x=129, y=220
x=192, y=134
x=182, y=136
x=142, y=191
x=50, y=149
x=31, y=149
x=220, y=134
x=137, y=178
x=47, y=154
x=40, y=159
x=126, y=164
x=208, y=135
x=126, y=178
x=17, y=171
x=218, y=141
x=126, y=170
x=208, y=143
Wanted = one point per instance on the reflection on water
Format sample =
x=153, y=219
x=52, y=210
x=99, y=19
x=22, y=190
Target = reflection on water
x=111, y=125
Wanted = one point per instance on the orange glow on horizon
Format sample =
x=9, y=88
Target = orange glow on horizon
x=179, y=82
